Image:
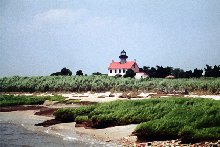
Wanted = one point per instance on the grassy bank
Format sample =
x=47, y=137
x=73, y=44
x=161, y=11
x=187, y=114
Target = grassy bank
x=11, y=100
x=106, y=83
x=188, y=119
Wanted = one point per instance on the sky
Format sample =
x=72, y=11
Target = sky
x=39, y=37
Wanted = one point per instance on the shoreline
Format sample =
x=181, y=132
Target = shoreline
x=111, y=136
x=66, y=131
x=85, y=98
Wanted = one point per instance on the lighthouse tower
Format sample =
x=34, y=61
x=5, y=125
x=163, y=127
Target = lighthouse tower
x=119, y=68
x=123, y=57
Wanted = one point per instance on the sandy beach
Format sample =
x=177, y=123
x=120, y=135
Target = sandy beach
x=112, y=136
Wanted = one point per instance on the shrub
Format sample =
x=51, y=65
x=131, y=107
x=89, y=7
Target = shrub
x=81, y=119
x=10, y=100
x=169, y=118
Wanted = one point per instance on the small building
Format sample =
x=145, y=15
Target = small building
x=141, y=75
x=170, y=77
x=120, y=68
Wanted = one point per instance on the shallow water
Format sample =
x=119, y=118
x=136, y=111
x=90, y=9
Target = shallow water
x=18, y=128
x=12, y=135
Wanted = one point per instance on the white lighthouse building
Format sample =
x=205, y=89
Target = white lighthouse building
x=120, y=68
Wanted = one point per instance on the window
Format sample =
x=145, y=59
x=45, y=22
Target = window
x=116, y=71
x=119, y=70
x=123, y=70
x=110, y=71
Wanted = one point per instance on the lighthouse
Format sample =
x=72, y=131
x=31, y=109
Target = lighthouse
x=123, y=57
x=120, y=68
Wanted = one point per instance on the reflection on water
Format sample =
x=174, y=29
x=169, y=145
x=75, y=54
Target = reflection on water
x=14, y=135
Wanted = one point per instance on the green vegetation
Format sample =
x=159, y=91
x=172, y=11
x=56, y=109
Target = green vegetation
x=188, y=119
x=11, y=100
x=64, y=72
x=130, y=73
x=105, y=83
x=162, y=72
x=79, y=73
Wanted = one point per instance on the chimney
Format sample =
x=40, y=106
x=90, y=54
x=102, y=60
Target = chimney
x=113, y=61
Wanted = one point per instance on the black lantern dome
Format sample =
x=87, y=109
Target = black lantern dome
x=123, y=57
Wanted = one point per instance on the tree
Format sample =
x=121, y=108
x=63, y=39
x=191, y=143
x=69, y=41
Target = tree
x=208, y=71
x=216, y=71
x=212, y=72
x=146, y=69
x=162, y=72
x=197, y=73
x=188, y=74
x=96, y=73
x=153, y=72
x=56, y=74
x=129, y=73
x=79, y=73
x=177, y=72
x=64, y=72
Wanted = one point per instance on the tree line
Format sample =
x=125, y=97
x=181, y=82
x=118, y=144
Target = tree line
x=66, y=72
x=162, y=72
x=158, y=72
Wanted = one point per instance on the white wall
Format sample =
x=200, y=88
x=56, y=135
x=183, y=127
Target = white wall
x=117, y=72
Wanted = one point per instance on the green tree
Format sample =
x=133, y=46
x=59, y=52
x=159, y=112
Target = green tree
x=129, y=73
x=188, y=74
x=212, y=72
x=197, y=73
x=64, y=72
x=56, y=74
x=96, y=73
x=79, y=73
x=177, y=72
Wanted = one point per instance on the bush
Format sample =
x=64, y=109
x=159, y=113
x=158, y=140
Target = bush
x=70, y=114
x=129, y=73
x=169, y=118
x=81, y=119
x=11, y=100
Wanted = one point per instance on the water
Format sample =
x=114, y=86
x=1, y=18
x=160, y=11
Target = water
x=18, y=128
x=12, y=135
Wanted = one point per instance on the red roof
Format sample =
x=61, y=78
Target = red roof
x=118, y=65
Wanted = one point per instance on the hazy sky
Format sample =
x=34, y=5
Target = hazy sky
x=38, y=37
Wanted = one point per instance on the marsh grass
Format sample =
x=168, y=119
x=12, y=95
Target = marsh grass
x=188, y=119
x=105, y=83
x=11, y=100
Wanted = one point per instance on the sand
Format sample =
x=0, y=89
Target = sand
x=111, y=136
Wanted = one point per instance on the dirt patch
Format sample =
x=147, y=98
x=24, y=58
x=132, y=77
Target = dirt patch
x=160, y=95
x=46, y=111
x=20, y=108
x=48, y=123
x=78, y=102
x=43, y=111
x=86, y=103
